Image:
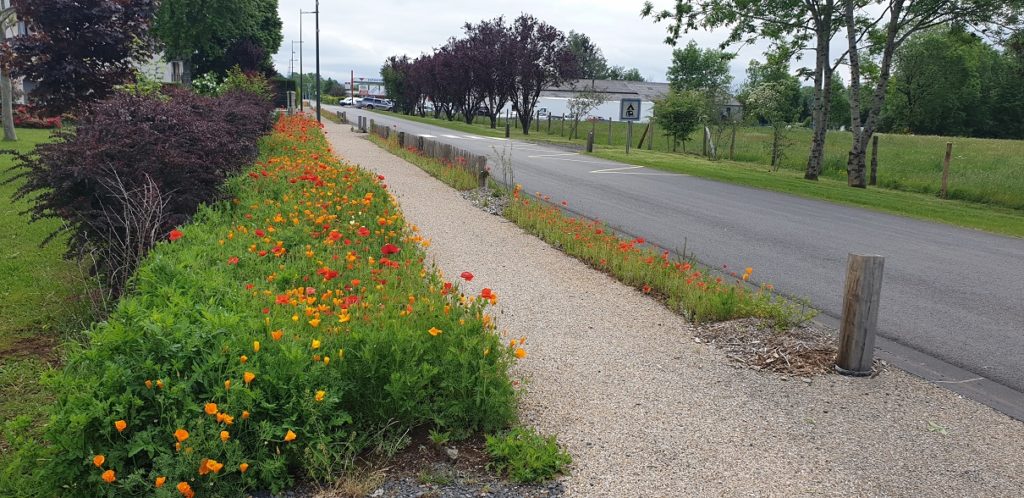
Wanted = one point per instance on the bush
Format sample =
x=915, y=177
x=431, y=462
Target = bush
x=26, y=117
x=286, y=333
x=527, y=456
x=184, y=146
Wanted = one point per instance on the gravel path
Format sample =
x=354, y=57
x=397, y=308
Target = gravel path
x=645, y=411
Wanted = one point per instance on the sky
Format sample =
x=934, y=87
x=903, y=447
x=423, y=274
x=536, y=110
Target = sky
x=360, y=36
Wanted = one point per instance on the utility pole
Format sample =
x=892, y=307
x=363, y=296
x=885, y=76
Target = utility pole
x=302, y=76
x=317, y=61
x=293, y=60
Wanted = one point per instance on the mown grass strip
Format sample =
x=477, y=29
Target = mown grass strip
x=279, y=335
x=451, y=174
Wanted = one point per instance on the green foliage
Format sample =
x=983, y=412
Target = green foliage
x=702, y=70
x=143, y=86
x=451, y=174
x=197, y=311
x=592, y=62
x=237, y=80
x=680, y=113
x=207, y=84
x=526, y=456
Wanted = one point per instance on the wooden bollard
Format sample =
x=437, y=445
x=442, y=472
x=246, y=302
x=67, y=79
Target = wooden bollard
x=945, y=170
x=860, y=315
x=590, y=141
x=481, y=171
x=507, y=131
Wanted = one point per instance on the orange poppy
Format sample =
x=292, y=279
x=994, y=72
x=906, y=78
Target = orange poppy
x=248, y=377
x=98, y=460
x=160, y=481
x=289, y=436
x=120, y=425
x=109, y=476
x=181, y=435
x=210, y=408
x=185, y=490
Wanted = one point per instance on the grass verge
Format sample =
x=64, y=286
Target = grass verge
x=40, y=302
x=909, y=195
x=454, y=176
x=281, y=334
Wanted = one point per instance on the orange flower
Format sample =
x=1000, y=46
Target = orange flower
x=289, y=436
x=243, y=359
x=434, y=331
x=315, y=344
x=277, y=334
x=159, y=384
x=109, y=476
x=175, y=235
x=98, y=460
x=149, y=384
x=181, y=435
x=248, y=377
x=185, y=490
x=224, y=436
x=256, y=346
x=209, y=465
x=210, y=408
x=245, y=414
x=320, y=395
x=244, y=467
x=227, y=384
x=225, y=418
x=120, y=425
x=520, y=353
x=160, y=481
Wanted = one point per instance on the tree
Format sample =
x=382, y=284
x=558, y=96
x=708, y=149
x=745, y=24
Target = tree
x=679, y=114
x=77, y=51
x=7, y=19
x=585, y=100
x=791, y=24
x=209, y=35
x=622, y=74
x=491, y=51
x=772, y=102
x=703, y=70
x=592, y=62
x=541, y=58
x=900, y=20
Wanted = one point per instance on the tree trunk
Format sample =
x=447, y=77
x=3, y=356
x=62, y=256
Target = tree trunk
x=854, y=176
x=494, y=120
x=822, y=91
x=857, y=163
x=6, y=92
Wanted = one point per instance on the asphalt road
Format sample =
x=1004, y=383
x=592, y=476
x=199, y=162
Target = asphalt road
x=953, y=294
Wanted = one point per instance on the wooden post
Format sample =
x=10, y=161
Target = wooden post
x=481, y=171
x=590, y=141
x=609, y=131
x=704, y=142
x=644, y=136
x=561, y=128
x=401, y=139
x=874, y=161
x=549, y=123
x=650, y=141
x=732, y=143
x=538, y=122
x=629, y=135
x=945, y=170
x=507, y=131
x=860, y=315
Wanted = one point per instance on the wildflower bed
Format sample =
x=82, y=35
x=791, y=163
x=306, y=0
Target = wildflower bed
x=281, y=334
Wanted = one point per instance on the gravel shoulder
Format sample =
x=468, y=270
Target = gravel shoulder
x=646, y=411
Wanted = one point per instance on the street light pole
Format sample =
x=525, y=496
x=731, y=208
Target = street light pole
x=293, y=60
x=318, y=61
x=302, y=76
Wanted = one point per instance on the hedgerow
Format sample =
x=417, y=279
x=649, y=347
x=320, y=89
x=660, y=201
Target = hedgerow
x=280, y=334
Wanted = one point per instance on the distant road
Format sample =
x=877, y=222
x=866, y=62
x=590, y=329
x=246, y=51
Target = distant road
x=949, y=294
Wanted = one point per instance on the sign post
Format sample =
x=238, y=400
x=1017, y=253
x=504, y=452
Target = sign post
x=629, y=111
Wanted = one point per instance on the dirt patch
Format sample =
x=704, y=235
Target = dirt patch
x=804, y=350
x=42, y=347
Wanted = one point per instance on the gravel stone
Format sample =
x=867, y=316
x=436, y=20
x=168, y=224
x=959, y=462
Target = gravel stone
x=646, y=411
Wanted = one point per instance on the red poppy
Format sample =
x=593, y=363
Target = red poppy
x=486, y=293
x=467, y=275
x=389, y=249
x=175, y=235
x=260, y=233
x=233, y=260
x=363, y=231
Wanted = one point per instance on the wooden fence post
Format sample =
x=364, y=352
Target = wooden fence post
x=945, y=170
x=873, y=180
x=507, y=131
x=609, y=131
x=481, y=171
x=860, y=315
x=590, y=141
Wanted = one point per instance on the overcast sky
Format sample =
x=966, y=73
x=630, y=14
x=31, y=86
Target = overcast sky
x=360, y=35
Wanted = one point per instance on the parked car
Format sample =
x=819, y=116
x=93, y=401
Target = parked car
x=372, y=103
x=350, y=101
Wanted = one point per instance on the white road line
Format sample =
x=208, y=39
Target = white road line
x=428, y=136
x=628, y=170
x=498, y=138
x=555, y=155
x=612, y=170
x=451, y=136
x=474, y=137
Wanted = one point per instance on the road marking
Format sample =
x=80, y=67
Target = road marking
x=498, y=138
x=474, y=137
x=613, y=170
x=555, y=155
x=451, y=136
x=428, y=136
x=629, y=171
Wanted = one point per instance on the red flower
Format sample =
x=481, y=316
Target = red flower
x=363, y=231
x=233, y=260
x=486, y=293
x=389, y=249
x=175, y=235
x=283, y=299
x=467, y=275
x=260, y=233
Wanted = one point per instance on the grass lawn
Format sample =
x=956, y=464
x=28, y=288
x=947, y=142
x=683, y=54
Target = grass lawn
x=38, y=296
x=986, y=182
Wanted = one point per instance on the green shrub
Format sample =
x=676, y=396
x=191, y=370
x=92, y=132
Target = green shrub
x=526, y=456
x=357, y=343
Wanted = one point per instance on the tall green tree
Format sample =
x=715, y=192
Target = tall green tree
x=680, y=114
x=702, y=70
x=215, y=35
x=622, y=74
x=592, y=62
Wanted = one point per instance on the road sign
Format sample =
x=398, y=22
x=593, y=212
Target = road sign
x=629, y=110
